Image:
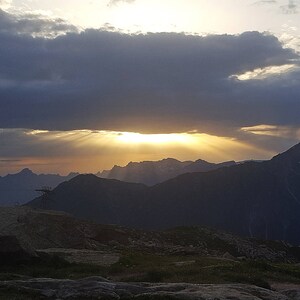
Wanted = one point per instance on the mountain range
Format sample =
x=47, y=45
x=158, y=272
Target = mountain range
x=153, y=172
x=20, y=188
x=258, y=199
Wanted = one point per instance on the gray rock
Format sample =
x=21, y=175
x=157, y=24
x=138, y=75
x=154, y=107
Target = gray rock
x=100, y=288
x=292, y=294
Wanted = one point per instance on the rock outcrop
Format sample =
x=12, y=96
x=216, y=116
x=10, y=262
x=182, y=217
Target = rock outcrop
x=61, y=234
x=99, y=288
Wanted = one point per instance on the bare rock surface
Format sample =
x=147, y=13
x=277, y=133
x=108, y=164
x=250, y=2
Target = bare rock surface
x=51, y=229
x=291, y=290
x=100, y=288
x=100, y=258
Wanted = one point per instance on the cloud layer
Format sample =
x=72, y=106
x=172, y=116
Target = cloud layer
x=155, y=82
x=162, y=82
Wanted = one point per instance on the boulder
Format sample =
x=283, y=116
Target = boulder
x=99, y=288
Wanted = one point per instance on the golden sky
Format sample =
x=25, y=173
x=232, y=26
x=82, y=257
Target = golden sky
x=91, y=151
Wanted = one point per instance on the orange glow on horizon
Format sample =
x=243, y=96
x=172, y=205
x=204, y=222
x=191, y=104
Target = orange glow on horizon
x=91, y=151
x=138, y=138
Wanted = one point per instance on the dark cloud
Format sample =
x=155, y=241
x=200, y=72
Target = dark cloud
x=163, y=82
x=33, y=24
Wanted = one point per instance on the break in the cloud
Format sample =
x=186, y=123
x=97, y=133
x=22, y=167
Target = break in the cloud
x=272, y=130
x=91, y=151
x=8, y=161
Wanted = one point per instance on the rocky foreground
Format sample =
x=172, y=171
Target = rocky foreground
x=99, y=288
x=50, y=230
x=52, y=255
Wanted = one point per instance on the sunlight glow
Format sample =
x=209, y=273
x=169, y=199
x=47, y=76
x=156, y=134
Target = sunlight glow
x=145, y=16
x=138, y=138
x=94, y=150
x=35, y=132
x=263, y=73
x=272, y=130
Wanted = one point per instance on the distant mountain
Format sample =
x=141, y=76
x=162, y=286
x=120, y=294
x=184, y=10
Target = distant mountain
x=20, y=188
x=153, y=172
x=260, y=199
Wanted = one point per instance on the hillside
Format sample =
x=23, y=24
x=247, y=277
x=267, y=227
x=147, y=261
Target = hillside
x=251, y=199
x=107, y=201
x=254, y=199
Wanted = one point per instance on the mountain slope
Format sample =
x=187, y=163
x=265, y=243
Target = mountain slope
x=20, y=188
x=108, y=201
x=153, y=172
x=256, y=199
x=253, y=199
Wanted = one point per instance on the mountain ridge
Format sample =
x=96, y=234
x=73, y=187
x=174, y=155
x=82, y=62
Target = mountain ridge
x=154, y=172
x=19, y=188
x=259, y=199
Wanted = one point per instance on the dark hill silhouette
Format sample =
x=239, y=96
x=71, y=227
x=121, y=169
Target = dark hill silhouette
x=260, y=199
x=153, y=172
x=109, y=201
x=20, y=188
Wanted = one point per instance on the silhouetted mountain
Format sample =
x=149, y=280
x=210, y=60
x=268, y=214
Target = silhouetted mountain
x=87, y=196
x=153, y=172
x=20, y=188
x=204, y=166
x=260, y=199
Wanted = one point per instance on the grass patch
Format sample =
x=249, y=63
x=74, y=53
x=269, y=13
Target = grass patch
x=147, y=267
x=50, y=266
x=139, y=267
x=8, y=293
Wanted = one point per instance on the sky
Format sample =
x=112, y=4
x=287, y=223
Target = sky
x=85, y=85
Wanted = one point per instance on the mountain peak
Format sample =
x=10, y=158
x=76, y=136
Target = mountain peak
x=292, y=155
x=26, y=171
